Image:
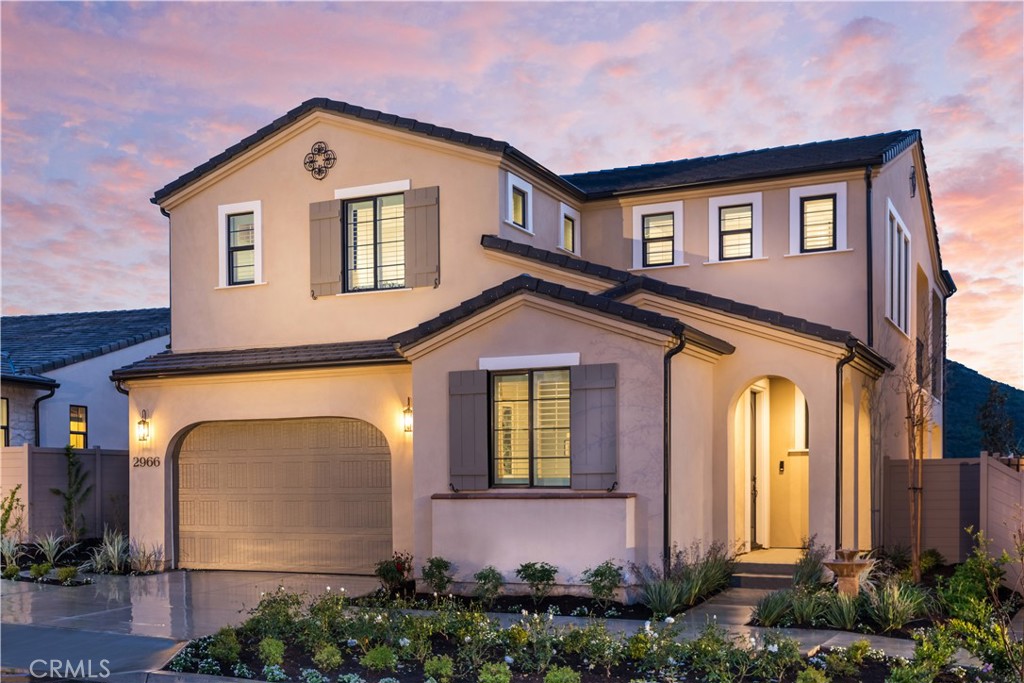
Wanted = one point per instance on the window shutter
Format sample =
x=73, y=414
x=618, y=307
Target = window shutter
x=467, y=429
x=593, y=416
x=325, y=248
x=422, y=238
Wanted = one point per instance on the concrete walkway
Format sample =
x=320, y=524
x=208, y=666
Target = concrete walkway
x=136, y=624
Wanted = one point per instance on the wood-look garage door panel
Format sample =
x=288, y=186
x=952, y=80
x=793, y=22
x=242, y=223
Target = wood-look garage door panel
x=298, y=495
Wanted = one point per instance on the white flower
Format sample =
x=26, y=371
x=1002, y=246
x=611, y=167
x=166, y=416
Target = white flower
x=342, y=589
x=328, y=589
x=262, y=593
x=467, y=639
x=525, y=613
x=435, y=595
x=772, y=648
x=550, y=616
x=508, y=660
x=377, y=619
x=669, y=620
x=404, y=642
x=352, y=642
x=647, y=626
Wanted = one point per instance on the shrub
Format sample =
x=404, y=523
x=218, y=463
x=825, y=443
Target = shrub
x=225, y=647
x=271, y=652
x=810, y=570
x=40, y=570
x=664, y=597
x=774, y=609
x=895, y=604
x=715, y=656
x=65, y=575
x=441, y=669
x=539, y=576
x=11, y=572
x=840, y=611
x=380, y=658
x=602, y=581
x=777, y=656
x=437, y=573
x=965, y=595
x=312, y=676
x=241, y=670
x=808, y=607
x=143, y=559
x=11, y=513
x=273, y=673
x=488, y=584
x=209, y=666
x=351, y=678
x=50, y=547
x=10, y=550
x=561, y=674
x=931, y=559
x=811, y=675
x=74, y=496
x=395, y=572
x=276, y=616
x=327, y=657
x=494, y=672
x=111, y=555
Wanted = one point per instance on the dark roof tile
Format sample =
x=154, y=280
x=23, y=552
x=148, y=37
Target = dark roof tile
x=252, y=360
x=36, y=344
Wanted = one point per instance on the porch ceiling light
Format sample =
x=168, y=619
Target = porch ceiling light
x=407, y=415
x=142, y=427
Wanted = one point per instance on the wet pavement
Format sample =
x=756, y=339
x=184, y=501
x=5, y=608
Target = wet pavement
x=136, y=623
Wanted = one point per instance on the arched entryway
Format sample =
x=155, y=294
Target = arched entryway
x=304, y=495
x=772, y=462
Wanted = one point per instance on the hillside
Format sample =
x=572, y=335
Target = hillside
x=966, y=391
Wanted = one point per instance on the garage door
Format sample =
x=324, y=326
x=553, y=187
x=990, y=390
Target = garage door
x=284, y=495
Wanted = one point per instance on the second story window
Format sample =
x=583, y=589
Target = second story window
x=519, y=200
x=569, y=240
x=658, y=239
x=817, y=223
x=241, y=249
x=897, y=271
x=736, y=232
x=375, y=243
x=5, y=423
x=78, y=431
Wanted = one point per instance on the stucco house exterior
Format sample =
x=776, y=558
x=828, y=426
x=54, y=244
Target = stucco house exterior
x=55, y=375
x=389, y=335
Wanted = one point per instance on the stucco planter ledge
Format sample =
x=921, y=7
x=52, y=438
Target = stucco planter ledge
x=571, y=529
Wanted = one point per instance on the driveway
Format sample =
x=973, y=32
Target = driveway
x=135, y=623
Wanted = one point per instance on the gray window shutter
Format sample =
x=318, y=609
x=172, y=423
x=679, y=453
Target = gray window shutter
x=467, y=429
x=593, y=416
x=422, y=238
x=325, y=248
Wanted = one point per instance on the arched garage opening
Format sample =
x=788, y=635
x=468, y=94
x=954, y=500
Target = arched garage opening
x=303, y=495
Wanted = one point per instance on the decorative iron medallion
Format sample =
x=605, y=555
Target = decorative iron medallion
x=319, y=160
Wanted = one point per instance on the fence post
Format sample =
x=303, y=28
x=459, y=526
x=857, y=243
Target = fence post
x=983, y=493
x=97, y=490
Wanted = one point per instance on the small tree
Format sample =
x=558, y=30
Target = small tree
x=996, y=424
x=73, y=496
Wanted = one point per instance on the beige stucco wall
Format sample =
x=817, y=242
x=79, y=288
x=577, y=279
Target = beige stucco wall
x=374, y=394
x=529, y=326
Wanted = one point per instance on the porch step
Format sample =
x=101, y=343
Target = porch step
x=772, y=568
x=747, y=579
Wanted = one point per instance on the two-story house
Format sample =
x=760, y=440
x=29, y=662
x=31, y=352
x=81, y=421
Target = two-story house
x=389, y=335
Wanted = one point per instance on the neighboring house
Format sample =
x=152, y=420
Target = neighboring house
x=56, y=369
x=342, y=271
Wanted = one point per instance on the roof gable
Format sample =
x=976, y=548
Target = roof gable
x=35, y=344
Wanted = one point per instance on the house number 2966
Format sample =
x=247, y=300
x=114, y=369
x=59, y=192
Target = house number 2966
x=145, y=462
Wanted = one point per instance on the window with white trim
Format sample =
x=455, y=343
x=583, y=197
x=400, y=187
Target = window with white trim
x=519, y=203
x=240, y=244
x=374, y=243
x=897, y=270
x=734, y=227
x=569, y=232
x=658, y=235
x=817, y=218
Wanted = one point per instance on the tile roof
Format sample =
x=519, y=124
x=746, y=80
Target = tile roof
x=760, y=163
x=576, y=297
x=253, y=360
x=36, y=344
x=629, y=283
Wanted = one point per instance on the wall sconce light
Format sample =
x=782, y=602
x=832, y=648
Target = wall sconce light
x=913, y=181
x=407, y=415
x=142, y=427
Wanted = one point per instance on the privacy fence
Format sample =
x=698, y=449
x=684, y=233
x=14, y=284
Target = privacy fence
x=39, y=470
x=984, y=493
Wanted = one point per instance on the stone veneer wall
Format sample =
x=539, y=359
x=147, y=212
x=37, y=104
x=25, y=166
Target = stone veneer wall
x=19, y=413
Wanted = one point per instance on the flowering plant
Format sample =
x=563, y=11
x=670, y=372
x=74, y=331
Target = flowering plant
x=394, y=573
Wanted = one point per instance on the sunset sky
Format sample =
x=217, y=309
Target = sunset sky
x=105, y=102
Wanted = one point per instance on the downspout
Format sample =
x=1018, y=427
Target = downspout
x=843, y=362
x=119, y=385
x=667, y=444
x=167, y=214
x=35, y=409
x=870, y=259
